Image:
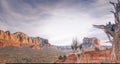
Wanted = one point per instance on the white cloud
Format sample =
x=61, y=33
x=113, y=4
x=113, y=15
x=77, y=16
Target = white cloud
x=59, y=21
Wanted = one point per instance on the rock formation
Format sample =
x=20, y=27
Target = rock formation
x=101, y=56
x=89, y=44
x=20, y=39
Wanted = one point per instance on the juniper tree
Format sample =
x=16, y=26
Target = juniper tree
x=113, y=31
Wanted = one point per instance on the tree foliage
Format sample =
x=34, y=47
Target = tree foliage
x=80, y=46
x=74, y=45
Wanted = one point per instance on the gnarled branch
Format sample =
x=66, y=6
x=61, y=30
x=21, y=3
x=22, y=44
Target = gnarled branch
x=105, y=28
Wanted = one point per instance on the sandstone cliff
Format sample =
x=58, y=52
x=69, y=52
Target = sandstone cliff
x=20, y=39
x=89, y=44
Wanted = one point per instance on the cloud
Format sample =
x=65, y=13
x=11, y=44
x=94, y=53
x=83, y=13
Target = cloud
x=57, y=20
x=18, y=15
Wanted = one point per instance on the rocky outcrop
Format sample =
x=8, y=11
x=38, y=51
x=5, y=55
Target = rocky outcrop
x=90, y=44
x=102, y=56
x=20, y=39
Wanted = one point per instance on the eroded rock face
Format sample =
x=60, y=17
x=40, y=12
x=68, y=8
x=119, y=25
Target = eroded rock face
x=87, y=57
x=89, y=44
x=19, y=39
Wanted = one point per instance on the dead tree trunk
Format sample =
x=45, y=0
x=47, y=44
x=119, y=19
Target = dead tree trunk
x=113, y=56
x=117, y=42
x=113, y=30
x=109, y=34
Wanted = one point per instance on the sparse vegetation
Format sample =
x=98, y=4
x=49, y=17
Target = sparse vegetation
x=28, y=55
x=63, y=58
x=60, y=57
x=80, y=46
x=27, y=59
x=74, y=45
x=97, y=49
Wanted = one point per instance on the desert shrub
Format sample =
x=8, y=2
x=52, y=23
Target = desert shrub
x=60, y=57
x=27, y=59
x=74, y=45
x=80, y=46
x=64, y=57
x=97, y=49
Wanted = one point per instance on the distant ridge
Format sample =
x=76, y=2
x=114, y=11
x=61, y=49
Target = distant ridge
x=19, y=39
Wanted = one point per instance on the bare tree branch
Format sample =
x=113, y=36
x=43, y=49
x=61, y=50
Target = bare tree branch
x=105, y=28
x=99, y=26
x=115, y=16
x=114, y=5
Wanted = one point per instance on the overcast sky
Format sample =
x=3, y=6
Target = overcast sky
x=57, y=20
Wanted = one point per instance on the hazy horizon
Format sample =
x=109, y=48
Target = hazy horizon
x=59, y=21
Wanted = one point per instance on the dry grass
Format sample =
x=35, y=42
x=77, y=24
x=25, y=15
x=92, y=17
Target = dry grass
x=28, y=55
